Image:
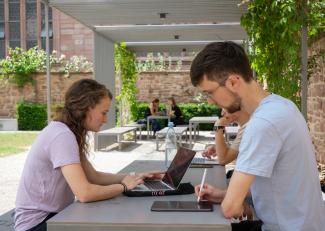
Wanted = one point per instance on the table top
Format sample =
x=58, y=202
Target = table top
x=133, y=213
x=204, y=119
x=232, y=129
x=117, y=130
x=178, y=130
x=158, y=117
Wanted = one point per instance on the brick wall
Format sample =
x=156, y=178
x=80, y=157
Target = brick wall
x=316, y=99
x=10, y=95
x=163, y=85
x=71, y=37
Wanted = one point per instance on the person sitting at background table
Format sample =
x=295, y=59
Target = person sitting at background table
x=225, y=153
x=57, y=169
x=152, y=110
x=175, y=113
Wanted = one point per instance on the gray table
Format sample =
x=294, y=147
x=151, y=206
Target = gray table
x=155, y=117
x=133, y=213
x=195, y=121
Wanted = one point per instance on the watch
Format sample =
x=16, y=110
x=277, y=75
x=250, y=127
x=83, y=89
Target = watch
x=217, y=127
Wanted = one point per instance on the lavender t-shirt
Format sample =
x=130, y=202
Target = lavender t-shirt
x=42, y=188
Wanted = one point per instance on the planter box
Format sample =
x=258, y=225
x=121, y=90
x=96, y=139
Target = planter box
x=7, y=124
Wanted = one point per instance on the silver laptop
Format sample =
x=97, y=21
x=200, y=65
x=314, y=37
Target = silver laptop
x=173, y=175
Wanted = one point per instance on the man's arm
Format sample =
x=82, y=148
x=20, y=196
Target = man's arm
x=225, y=154
x=232, y=205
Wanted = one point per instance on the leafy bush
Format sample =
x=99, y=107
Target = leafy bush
x=189, y=110
x=20, y=64
x=31, y=116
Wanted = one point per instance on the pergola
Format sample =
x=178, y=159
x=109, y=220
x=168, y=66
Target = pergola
x=152, y=26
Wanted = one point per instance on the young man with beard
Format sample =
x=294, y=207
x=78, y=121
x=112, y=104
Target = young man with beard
x=276, y=160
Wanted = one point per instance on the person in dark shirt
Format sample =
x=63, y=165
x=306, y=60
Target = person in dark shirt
x=175, y=113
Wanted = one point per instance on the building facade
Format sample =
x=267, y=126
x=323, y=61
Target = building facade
x=22, y=24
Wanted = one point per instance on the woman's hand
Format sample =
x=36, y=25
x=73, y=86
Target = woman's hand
x=132, y=181
x=151, y=175
x=210, y=193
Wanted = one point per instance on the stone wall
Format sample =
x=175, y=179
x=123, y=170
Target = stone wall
x=71, y=37
x=163, y=85
x=10, y=95
x=316, y=98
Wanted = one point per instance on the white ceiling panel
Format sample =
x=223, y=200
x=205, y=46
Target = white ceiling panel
x=138, y=21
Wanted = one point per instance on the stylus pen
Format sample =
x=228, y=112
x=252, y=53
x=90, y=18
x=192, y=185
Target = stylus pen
x=202, y=183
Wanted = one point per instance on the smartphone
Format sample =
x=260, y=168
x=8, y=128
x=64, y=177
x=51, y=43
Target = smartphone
x=182, y=206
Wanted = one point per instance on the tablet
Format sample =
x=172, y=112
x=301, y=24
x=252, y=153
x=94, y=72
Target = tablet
x=182, y=206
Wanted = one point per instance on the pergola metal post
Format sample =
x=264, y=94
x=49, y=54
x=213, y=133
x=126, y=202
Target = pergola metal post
x=304, y=61
x=48, y=74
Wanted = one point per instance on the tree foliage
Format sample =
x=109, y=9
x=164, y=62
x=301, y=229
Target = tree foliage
x=274, y=35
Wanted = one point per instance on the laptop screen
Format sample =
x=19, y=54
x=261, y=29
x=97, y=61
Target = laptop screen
x=178, y=167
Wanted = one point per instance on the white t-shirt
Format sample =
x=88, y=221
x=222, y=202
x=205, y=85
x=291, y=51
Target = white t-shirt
x=277, y=149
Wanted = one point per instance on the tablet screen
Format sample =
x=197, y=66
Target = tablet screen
x=182, y=206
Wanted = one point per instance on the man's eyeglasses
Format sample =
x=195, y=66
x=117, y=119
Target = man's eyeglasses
x=209, y=95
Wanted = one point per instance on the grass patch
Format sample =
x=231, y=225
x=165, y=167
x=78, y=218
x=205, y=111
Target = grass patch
x=13, y=143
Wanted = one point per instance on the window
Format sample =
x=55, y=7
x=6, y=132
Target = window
x=43, y=32
x=31, y=23
x=23, y=26
x=14, y=23
x=2, y=30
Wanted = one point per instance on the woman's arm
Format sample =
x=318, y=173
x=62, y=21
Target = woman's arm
x=85, y=191
x=101, y=178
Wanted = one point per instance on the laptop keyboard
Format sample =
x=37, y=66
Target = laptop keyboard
x=156, y=185
x=198, y=160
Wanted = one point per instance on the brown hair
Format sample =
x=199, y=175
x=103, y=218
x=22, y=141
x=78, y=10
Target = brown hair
x=219, y=59
x=173, y=100
x=80, y=97
x=155, y=101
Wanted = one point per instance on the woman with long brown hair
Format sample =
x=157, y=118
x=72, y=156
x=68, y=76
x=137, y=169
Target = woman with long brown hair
x=57, y=169
x=175, y=113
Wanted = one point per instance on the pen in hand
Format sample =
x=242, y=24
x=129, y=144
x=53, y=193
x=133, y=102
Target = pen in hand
x=202, y=183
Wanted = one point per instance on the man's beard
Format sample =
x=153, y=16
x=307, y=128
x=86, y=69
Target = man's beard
x=236, y=106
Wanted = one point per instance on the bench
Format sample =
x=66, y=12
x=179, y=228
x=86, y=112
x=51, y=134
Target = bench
x=179, y=131
x=138, y=126
x=119, y=132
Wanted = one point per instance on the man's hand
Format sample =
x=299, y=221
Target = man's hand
x=210, y=193
x=210, y=152
x=226, y=119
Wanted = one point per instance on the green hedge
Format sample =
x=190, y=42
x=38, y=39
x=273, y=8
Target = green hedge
x=31, y=116
x=189, y=110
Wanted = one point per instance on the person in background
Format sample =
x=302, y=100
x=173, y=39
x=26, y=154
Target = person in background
x=227, y=153
x=153, y=109
x=276, y=159
x=174, y=112
x=57, y=168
